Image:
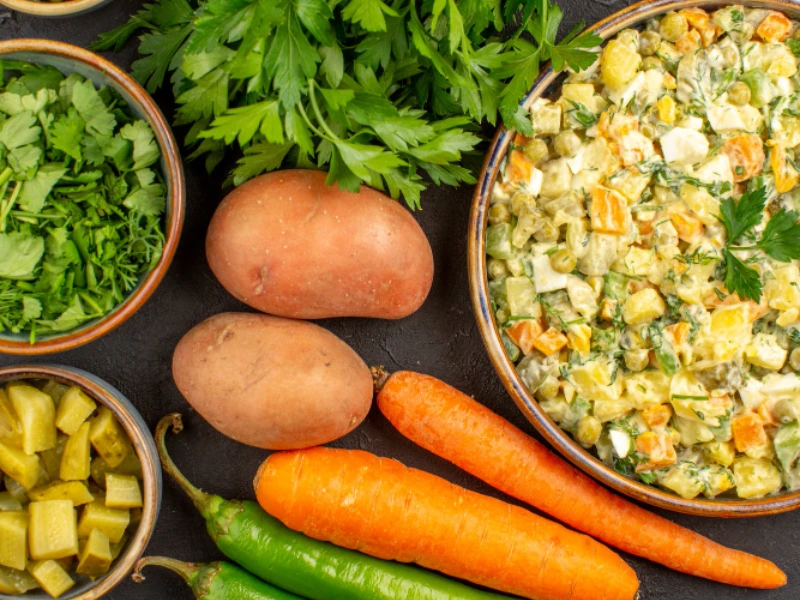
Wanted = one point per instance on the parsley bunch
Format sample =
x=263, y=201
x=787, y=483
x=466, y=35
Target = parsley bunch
x=780, y=239
x=382, y=93
x=80, y=204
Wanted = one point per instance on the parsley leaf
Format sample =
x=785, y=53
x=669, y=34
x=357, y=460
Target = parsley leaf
x=19, y=255
x=741, y=279
x=781, y=237
x=379, y=93
x=742, y=216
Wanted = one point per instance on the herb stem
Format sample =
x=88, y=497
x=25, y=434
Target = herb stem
x=315, y=105
x=8, y=205
x=5, y=176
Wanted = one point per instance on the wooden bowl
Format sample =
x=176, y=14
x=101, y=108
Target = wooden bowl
x=67, y=59
x=632, y=16
x=144, y=445
x=53, y=9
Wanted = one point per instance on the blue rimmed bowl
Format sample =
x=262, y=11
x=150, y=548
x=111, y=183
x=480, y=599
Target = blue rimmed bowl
x=152, y=487
x=633, y=16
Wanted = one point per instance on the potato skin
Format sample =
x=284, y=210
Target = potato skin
x=287, y=244
x=270, y=382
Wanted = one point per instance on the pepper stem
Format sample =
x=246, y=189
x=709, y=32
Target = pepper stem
x=188, y=571
x=197, y=496
x=379, y=377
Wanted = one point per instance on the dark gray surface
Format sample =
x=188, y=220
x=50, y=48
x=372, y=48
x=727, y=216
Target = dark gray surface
x=441, y=339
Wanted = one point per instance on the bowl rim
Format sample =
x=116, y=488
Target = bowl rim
x=133, y=423
x=176, y=199
x=630, y=16
x=52, y=9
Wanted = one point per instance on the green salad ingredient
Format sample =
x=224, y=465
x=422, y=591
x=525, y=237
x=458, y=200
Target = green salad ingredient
x=382, y=93
x=81, y=200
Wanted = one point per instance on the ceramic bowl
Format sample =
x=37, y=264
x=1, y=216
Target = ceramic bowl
x=68, y=59
x=54, y=9
x=632, y=16
x=106, y=394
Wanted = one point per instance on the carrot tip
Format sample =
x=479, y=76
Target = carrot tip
x=379, y=377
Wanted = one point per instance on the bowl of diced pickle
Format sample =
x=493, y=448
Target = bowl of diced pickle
x=80, y=484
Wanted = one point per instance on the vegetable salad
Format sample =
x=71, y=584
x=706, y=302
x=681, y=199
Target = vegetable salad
x=643, y=253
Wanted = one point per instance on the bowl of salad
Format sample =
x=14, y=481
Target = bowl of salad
x=91, y=196
x=635, y=259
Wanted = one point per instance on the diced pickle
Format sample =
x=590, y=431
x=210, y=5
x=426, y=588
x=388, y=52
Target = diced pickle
x=9, y=502
x=122, y=491
x=13, y=539
x=22, y=468
x=55, y=390
x=95, y=556
x=14, y=582
x=111, y=521
x=74, y=491
x=75, y=407
x=68, y=562
x=108, y=438
x=51, y=459
x=53, y=532
x=76, y=461
x=10, y=428
x=116, y=549
x=37, y=415
x=52, y=577
x=16, y=490
x=498, y=241
x=130, y=466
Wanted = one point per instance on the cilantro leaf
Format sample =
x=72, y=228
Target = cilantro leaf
x=100, y=121
x=31, y=308
x=19, y=254
x=145, y=149
x=19, y=130
x=35, y=192
x=67, y=133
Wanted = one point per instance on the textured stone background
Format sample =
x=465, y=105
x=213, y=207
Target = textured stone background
x=441, y=339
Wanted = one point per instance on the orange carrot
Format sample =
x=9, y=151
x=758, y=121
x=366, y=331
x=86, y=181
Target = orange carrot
x=459, y=429
x=380, y=507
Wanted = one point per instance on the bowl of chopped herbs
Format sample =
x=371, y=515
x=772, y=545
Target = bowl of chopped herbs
x=53, y=8
x=91, y=196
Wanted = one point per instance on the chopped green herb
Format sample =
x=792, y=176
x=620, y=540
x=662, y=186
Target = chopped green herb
x=80, y=204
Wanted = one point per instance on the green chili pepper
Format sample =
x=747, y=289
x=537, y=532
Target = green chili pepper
x=311, y=568
x=216, y=581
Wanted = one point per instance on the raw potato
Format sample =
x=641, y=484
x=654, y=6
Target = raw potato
x=270, y=382
x=289, y=245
